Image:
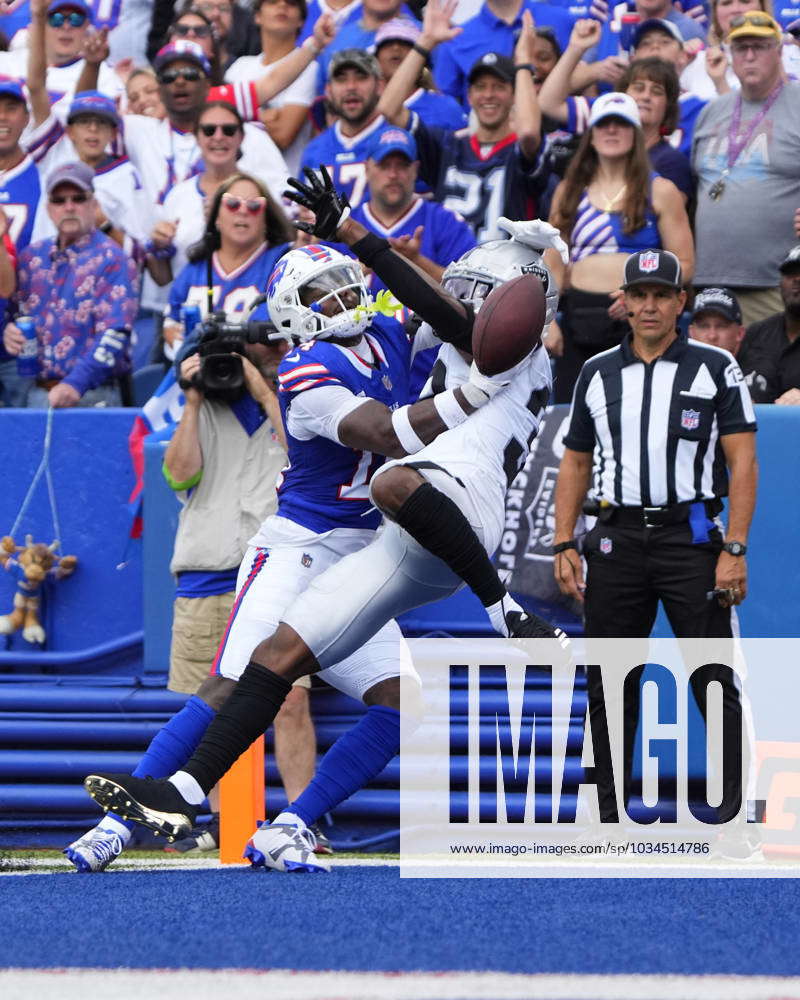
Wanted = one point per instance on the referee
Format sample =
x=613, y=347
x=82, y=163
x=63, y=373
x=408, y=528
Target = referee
x=664, y=428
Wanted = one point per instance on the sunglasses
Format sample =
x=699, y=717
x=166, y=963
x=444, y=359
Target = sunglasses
x=756, y=20
x=75, y=19
x=171, y=75
x=73, y=199
x=229, y=128
x=254, y=206
x=198, y=30
x=741, y=46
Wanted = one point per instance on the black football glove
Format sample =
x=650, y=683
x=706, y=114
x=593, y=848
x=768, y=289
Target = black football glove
x=330, y=207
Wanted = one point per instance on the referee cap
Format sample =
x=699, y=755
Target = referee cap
x=653, y=267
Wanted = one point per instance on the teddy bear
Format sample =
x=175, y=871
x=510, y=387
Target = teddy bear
x=31, y=564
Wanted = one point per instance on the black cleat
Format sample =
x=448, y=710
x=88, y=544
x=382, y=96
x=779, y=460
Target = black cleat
x=155, y=803
x=527, y=625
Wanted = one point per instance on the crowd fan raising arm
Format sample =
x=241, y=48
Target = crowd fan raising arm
x=437, y=28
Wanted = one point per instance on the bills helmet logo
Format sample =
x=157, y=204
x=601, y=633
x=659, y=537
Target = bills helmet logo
x=690, y=419
x=648, y=261
x=275, y=277
x=606, y=545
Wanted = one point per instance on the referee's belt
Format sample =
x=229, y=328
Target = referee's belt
x=654, y=517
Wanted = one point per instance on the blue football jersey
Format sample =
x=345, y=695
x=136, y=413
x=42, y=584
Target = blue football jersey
x=344, y=157
x=690, y=108
x=20, y=191
x=326, y=485
x=479, y=184
x=233, y=293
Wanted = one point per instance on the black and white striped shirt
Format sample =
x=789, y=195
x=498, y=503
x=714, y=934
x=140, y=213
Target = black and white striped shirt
x=655, y=428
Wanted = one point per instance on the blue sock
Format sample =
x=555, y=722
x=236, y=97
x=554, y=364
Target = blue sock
x=351, y=762
x=173, y=744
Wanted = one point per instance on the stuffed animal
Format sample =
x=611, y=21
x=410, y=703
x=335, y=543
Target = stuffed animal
x=31, y=564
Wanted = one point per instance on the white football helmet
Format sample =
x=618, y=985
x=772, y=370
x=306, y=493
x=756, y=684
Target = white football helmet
x=473, y=276
x=315, y=292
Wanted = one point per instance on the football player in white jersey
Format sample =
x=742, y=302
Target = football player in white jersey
x=355, y=597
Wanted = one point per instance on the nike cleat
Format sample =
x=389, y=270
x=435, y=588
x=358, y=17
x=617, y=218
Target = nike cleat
x=95, y=850
x=527, y=625
x=284, y=847
x=201, y=840
x=155, y=803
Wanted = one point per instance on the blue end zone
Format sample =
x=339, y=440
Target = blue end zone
x=371, y=920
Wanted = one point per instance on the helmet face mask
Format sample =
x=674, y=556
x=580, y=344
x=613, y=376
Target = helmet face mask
x=488, y=265
x=315, y=292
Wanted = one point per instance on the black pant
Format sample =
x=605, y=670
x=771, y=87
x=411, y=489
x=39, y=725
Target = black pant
x=587, y=329
x=629, y=570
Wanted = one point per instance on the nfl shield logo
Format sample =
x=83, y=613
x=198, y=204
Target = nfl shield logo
x=690, y=419
x=605, y=546
x=387, y=383
x=648, y=261
x=306, y=560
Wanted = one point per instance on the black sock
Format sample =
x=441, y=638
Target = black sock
x=439, y=526
x=250, y=709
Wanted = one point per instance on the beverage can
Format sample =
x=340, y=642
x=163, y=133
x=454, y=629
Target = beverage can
x=191, y=318
x=28, y=357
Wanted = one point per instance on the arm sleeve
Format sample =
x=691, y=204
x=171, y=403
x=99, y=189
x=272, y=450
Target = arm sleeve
x=319, y=413
x=451, y=320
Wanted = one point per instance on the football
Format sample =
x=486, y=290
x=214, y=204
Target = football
x=509, y=324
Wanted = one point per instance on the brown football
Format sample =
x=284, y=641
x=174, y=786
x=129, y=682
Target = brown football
x=509, y=324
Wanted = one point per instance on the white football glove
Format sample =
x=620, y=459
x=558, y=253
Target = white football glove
x=535, y=234
x=481, y=388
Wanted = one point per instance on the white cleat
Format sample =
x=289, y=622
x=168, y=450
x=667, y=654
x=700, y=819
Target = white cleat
x=95, y=850
x=285, y=847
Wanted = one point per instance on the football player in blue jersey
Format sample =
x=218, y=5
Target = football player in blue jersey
x=495, y=170
x=344, y=396
x=441, y=524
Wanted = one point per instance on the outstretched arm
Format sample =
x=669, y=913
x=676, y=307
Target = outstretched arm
x=279, y=77
x=436, y=28
x=451, y=319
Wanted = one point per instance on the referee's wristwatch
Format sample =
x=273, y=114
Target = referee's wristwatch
x=734, y=548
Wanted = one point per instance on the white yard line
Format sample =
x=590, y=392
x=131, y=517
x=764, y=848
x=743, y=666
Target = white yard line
x=245, y=984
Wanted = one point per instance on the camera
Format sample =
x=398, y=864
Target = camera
x=221, y=344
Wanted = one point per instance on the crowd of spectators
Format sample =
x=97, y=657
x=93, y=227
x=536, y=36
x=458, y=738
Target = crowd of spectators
x=130, y=132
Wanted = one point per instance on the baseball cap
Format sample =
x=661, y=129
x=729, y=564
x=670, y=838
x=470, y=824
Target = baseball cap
x=755, y=23
x=393, y=140
x=399, y=29
x=791, y=260
x=615, y=105
x=656, y=24
x=92, y=102
x=12, y=88
x=70, y=5
x=492, y=62
x=185, y=50
x=718, y=300
x=358, y=58
x=653, y=267
x=77, y=173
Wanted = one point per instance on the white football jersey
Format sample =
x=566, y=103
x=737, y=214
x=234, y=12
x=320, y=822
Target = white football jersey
x=166, y=156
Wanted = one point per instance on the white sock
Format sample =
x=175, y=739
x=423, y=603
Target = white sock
x=112, y=825
x=497, y=613
x=188, y=788
x=290, y=819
